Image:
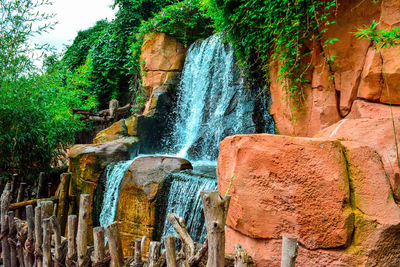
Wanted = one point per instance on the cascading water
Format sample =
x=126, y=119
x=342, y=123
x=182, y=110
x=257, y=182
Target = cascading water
x=114, y=174
x=180, y=194
x=213, y=101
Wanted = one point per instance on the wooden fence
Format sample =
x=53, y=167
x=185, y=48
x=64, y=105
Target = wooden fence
x=37, y=241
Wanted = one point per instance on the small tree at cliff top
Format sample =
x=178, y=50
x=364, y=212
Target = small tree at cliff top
x=36, y=121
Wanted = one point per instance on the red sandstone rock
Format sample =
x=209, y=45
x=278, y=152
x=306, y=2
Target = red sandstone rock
x=287, y=185
x=371, y=84
x=364, y=109
x=376, y=133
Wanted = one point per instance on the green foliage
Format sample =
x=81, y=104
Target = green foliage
x=262, y=30
x=381, y=38
x=184, y=20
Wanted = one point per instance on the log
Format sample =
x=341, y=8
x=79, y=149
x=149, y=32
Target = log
x=63, y=201
x=15, y=206
x=5, y=203
x=20, y=198
x=46, y=243
x=143, y=245
x=196, y=259
x=14, y=182
x=99, y=249
x=22, y=234
x=49, y=186
x=40, y=185
x=82, y=234
x=12, y=240
x=71, y=252
x=29, y=243
x=154, y=253
x=215, y=213
x=289, y=251
x=137, y=262
x=241, y=257
x=112, y=107
x=57, y=241
x=170, y=250
x=54, y=213
x=115, y=246
x=38, y=237
x=180, y=228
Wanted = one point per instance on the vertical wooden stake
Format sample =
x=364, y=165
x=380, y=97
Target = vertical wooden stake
x=72, y=228
x=63, y=201
x=115, y=246
x=138, y=253
x=57, y=240
x=29, y=243
x=40, y=185
x=82, y=236
x=20, y=198
x=289, y=251
x=46, y=243
x=241, y=258
x=5, y=203
x=38, y=237
x=215, y=213
x=12, y=242
x=49, y=186
x=99, y=249
x=170, y=247
x=154, y=253
x=46, y=208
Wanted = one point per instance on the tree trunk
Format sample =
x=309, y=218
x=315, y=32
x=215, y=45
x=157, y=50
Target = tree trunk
x=170, y=250
x=71, y=253
x=99, y=249
x=289, y=251
x=5, y=203
x=215, y=213
x=29, y=243
x=82, y=236
x=46, y=243
x=115, y=246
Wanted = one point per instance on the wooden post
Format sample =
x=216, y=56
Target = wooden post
x=49, y=186
x=22, y=234
x=82, y=236
x=71, y=253
x=196, y=259
x=46, y=208
x=20, y=198
x=14, y=182
x=99, y=249
x=154, y=253
x=241, y=258
x=63, y=201
x=57, y=241
x=115, y=246
x=29, y=243
x=46, y=243
x=289, y=251
x=38, y=237
x=180, y=228
x=215, y=213
x=170, y=250
x=40, y=185
x=12, y=242
x=138, y=253
x=5, y=203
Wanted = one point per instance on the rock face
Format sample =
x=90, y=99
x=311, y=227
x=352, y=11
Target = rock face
x=376, y=133
x=360, y=71
x=333, y=195
x=87, y=162
x=119, y=129
x=137, y=197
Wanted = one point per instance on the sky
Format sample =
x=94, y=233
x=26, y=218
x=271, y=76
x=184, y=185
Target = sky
x=73, y=16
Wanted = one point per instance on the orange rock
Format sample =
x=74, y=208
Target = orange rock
x=371, y=84
x=139, y=188
x=131, y=125
x=115, y=131
x=376, y=133
x=278, y=178
x=87, y=162
x=364, y=109
x=163, y=58
x=391, y=75
x=287, y=185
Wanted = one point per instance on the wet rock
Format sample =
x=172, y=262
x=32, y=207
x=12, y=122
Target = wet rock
x=137, y=197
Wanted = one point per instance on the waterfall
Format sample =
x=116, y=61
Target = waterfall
x=180, y=194
x=114, y=173
x=213, y=101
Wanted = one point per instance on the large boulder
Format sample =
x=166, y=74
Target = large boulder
x=137, y=196
x=333, y=195
x=120, y=129
x=87, y=162
x=376, y=133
